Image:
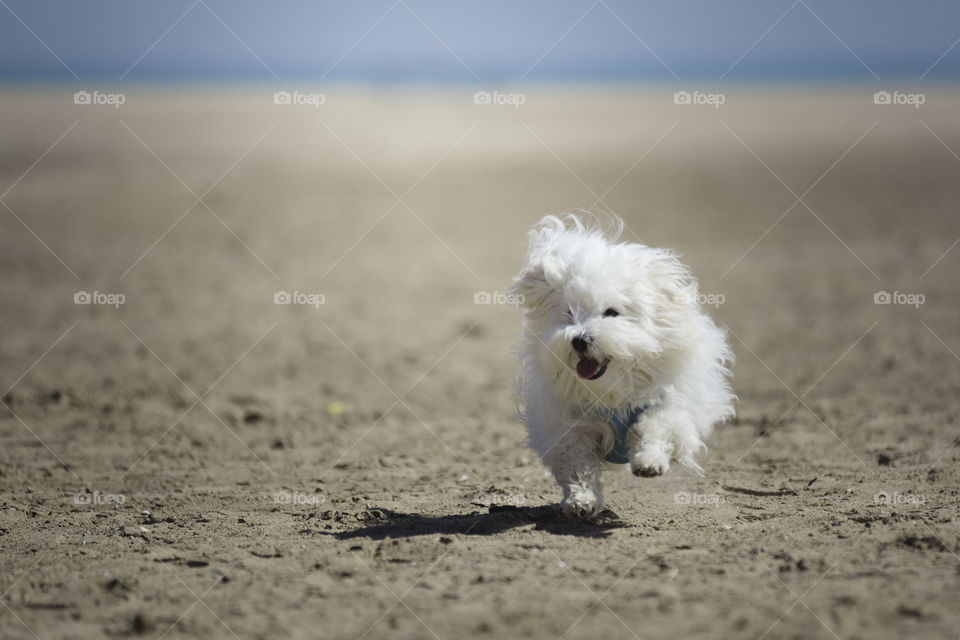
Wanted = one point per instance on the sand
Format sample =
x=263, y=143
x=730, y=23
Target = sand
x=201, y=462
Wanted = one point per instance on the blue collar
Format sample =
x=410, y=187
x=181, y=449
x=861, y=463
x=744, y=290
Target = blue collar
x=621, y=420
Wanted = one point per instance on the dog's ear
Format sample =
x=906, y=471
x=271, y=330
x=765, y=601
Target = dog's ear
x=670, y=277
x=677, y=289
x=531, y=287
x=661, y=272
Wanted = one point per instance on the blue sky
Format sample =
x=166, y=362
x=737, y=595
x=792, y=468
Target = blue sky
x=490, y=41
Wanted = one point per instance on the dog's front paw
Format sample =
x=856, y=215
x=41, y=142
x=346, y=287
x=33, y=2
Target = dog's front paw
x=582, y=502
x=650, y=462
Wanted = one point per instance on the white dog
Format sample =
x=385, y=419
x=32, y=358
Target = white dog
x=619, y=364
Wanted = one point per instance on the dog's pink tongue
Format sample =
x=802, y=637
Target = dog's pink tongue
x=587, y=367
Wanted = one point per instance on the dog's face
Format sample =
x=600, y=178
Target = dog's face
x=606, y=320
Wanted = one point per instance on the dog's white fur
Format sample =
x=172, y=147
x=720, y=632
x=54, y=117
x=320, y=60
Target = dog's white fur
x=661, y=350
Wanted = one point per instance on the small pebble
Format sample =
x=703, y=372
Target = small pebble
x=252, y=416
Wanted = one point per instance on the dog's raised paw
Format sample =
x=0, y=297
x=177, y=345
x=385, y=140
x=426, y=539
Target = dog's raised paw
x=649, y=463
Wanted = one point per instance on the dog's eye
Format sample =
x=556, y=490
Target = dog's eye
x=611, y=313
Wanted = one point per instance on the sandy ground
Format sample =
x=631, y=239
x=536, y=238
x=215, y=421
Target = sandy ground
x=201, y=462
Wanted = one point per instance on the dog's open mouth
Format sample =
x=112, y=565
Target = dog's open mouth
x=590, y=369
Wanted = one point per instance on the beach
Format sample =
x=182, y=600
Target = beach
x=258, y=352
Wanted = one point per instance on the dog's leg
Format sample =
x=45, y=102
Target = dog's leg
x=576, y=464
x=652, y=440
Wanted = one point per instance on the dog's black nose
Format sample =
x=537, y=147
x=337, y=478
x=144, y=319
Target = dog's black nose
x=580, y=343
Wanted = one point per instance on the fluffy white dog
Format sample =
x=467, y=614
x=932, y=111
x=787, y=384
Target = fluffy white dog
x=619, y=363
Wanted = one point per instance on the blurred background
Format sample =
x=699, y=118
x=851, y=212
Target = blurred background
x=260, y=249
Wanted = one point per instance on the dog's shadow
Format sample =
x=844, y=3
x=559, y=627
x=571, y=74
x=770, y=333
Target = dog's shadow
x=390, y=524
